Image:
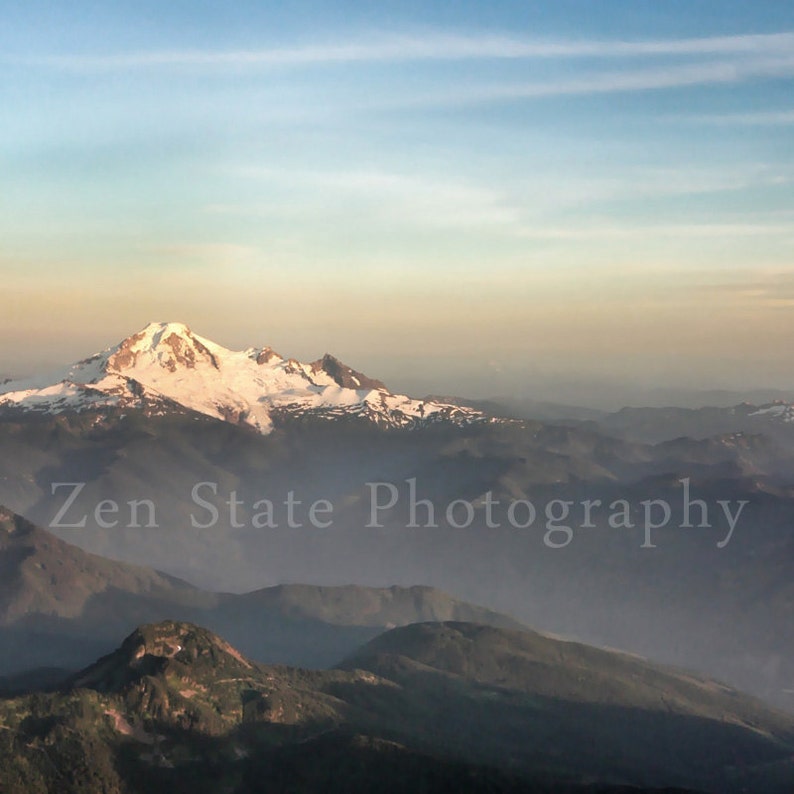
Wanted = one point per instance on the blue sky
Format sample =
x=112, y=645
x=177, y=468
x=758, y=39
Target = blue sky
x=471, y=197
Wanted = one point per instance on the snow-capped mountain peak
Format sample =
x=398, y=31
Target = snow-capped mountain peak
x=166, y=367
x=168, y=345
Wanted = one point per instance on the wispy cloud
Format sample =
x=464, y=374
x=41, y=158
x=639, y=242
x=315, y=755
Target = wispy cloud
x=215, y=254
x=659, y=183
x=656, y=231
x=426, y=200
x=390, y=196
x=433, y=200
x=768, y=287
x=379, y=48
x=677, y=63
x=760, y=118
x=673, y=76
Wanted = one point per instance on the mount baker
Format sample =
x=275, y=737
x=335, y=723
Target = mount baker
x=166, y=367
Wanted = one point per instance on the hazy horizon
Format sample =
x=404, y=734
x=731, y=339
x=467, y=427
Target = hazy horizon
x=585, y=388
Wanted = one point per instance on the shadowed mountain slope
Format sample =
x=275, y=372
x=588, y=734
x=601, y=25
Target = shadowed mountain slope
x=176, y=708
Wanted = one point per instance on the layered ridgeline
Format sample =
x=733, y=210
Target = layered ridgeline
x=60, y=607
x=430, y=707
x=166, y=368
x=724, y=611
x=166, y=411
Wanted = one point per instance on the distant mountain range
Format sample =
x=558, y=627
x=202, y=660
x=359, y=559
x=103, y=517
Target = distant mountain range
x=673, y=603
x=775, y=419
x=456, y=697
x=166, y=367
x=452, y=694
x=653, y=424
x=165, y=409
x=60, y=607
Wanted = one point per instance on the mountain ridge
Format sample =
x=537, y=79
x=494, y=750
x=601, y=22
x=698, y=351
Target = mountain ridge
x=175, y=707
x=60, y=604
x=166, y=367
